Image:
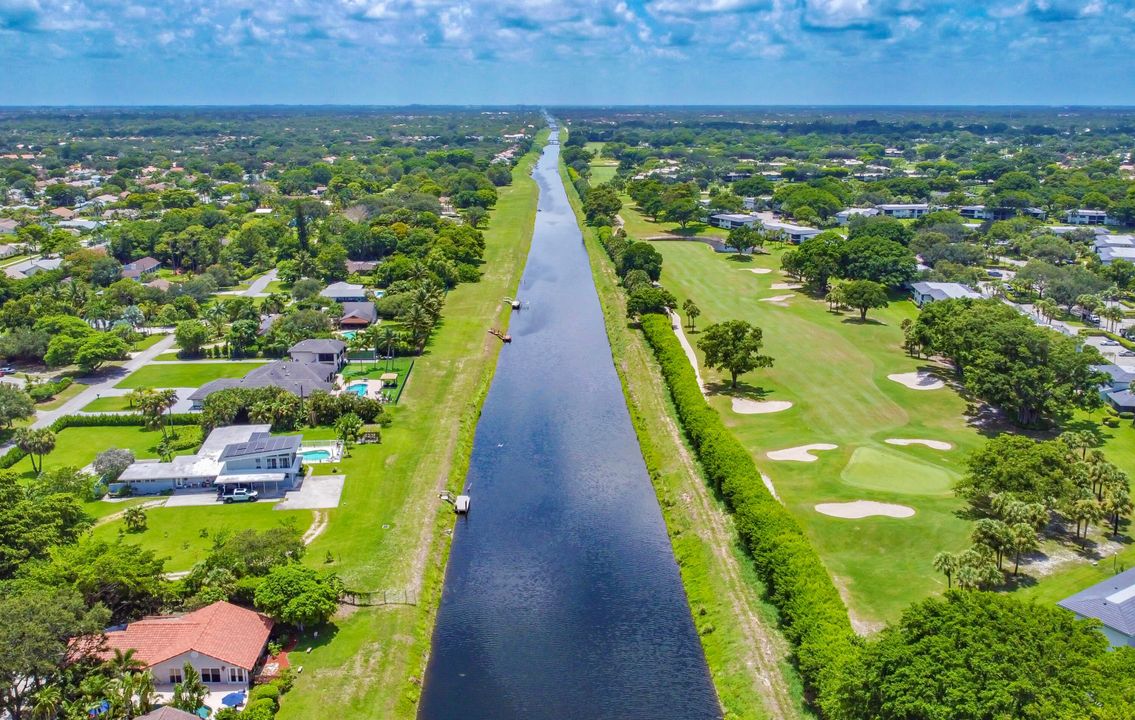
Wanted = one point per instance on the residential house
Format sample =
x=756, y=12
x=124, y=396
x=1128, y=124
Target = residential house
x=223, y=642
x=361, y=266
x=733, y=220
x=1066, y=229
x=8, y=226
x=142, y=266
x=1112, y=602
x=843, y=217
x=27, y=268
x=1114, y=247
x=245, y=455
x=63, y=213
x=924, y=293
x=7, y=251
x=80, y=224
x=160, y=284
x=358, y=315
x=1088, y=217
x=1117, y=390
x=320, y=351
x=794, y=233
x=344, y=292
x=904, y=211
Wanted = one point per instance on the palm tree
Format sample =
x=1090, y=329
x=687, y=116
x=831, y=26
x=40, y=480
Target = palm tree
x=124, y=663
x=1113, y=314
x=1116, y=503
x=1081, y=440
x=274, y=303
x=1022, y=538
x=216, y=316
x=947, y=564
x=692, y=311
x=48, y=702
x=1047, y=309
x=189, y=694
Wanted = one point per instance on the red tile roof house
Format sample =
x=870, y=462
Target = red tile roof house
x=224, y=642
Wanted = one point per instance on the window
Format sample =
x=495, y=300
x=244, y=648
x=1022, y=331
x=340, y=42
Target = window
x=236, y=675
x=174, y=676
x=211, y=675
x=271, y=463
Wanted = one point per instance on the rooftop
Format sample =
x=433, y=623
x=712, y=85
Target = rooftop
x=261, y=442
x=343, y=289
x=943, y=290
x=222, y=630
x=318, y=345
x=1112, y=602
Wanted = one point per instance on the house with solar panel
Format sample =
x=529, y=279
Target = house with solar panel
x=1112, y=602
x=235, y=456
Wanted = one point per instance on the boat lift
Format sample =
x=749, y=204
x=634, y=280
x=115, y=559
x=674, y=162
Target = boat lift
x=460, y=503
x=513, y=302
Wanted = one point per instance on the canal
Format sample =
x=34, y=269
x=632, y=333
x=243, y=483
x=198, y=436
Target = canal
x=562, y=599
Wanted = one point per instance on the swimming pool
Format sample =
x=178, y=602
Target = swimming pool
x=349, y=334
x=359, y=389
x=315, y=455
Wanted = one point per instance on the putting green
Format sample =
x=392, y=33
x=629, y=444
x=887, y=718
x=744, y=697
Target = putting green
x=877, y=469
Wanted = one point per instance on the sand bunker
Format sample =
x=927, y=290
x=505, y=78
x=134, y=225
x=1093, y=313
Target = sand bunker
x=760, y=271
x=934, y=444
x=744, y=406
x=786, y=286
x=778, y=299
x=864, y=508
x=803, y=453
x=920, y=380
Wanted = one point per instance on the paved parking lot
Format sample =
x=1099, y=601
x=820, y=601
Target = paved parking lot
x=318, y=492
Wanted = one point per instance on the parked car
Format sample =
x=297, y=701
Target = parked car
x=1127, y=353
x=1110, y=343
x=7, y=370
x=240, y=495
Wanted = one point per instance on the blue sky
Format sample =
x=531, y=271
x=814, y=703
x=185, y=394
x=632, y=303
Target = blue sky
x=567, y=51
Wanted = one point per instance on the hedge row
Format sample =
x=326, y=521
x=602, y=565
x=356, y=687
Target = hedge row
x=812, y=613
x=119, y=420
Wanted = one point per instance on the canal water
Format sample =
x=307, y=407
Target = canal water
x=562, y=599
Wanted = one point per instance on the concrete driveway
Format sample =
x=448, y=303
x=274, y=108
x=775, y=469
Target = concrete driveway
x=318, y=492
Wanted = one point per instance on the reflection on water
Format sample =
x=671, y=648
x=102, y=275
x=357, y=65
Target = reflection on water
x=562, y=599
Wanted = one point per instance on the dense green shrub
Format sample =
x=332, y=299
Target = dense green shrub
x=41, y=392
x=267, y=690
x=812, y=613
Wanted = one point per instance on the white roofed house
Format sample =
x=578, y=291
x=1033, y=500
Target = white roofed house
x=733, y=220
x=341, y=292
x=245, y=455
x=843, y=217
x=8, y=226
x=924, y=293
x=793, y=233
x=1087, y=217
x=904, y=210
x=1112, y=602
x=1114, y=247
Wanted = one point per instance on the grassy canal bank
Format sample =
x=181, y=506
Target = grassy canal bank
x=390, y=532
x=746, y=654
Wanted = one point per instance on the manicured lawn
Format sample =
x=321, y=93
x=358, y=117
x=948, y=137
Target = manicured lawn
x=77, y=446
x=147, y=342
x=111, y=403
x=834, y=371
x=888, y=470
x=362, y=668
x=185, y=534
x=186, y=374
x=638, y=226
